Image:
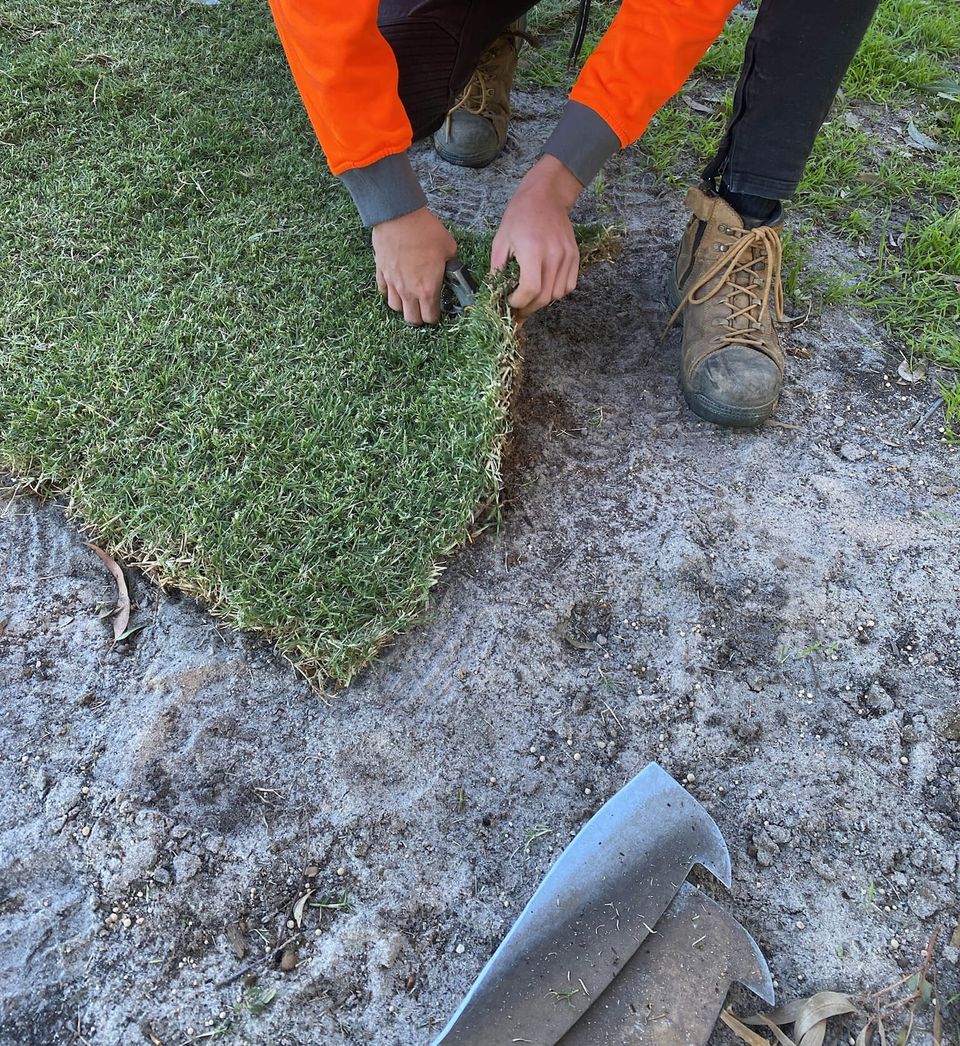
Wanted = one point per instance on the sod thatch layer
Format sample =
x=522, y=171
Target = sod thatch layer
x=191, y=345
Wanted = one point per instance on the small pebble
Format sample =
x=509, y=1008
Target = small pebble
x=460, y=949
x=85, y=830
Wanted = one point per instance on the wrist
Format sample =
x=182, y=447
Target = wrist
x=553, y=176
x=410, y=218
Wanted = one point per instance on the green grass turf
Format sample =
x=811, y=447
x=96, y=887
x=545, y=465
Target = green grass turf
x=191, y=346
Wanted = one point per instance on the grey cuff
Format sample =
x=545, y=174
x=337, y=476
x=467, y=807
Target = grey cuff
x=384, y=190
x=583, y=141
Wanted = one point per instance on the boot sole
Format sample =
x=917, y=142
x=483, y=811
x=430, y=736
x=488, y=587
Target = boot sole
x=711, y=410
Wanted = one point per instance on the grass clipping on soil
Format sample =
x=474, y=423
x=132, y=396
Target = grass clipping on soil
x=191, y=346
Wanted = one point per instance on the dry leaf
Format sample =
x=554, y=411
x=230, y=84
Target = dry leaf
x=299, y=906
x=121, y=615
x=808, y=1016
x=921, y=140
x=911, y=374
x=779, y=1035
x=697, y=107
x=132, y=630
x=866, y=1036
x=948, y=89
x=819, y=1009
x=236, y=940
x=742, y=1031
x=815, y=1035
x=785, y=1014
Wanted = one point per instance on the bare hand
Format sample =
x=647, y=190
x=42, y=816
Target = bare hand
x=411, y=252
x=536, y=230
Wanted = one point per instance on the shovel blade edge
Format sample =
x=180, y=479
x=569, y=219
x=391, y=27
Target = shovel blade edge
x=593, y=910
x=671, y=991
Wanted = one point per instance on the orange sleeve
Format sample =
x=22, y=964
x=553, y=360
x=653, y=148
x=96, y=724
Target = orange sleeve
x=644, y=58
x=347, y=76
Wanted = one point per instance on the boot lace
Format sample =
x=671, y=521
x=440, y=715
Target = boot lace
x=481, y=89
x=752, y=268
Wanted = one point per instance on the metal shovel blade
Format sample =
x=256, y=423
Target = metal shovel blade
x=671, y=990
x=593, y=910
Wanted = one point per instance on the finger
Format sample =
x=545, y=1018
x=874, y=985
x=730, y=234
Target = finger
x=381, y=284
x=538, y=303
x=411, y=311
x=394, y=300
x=548, y=281
x=553, y=279
x=566, y=279
x=430, y=307
x=499, y=253
x=542, y=299
x=529, y=287
x=573, y=273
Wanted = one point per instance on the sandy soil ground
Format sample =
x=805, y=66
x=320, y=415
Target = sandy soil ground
x=771, y=615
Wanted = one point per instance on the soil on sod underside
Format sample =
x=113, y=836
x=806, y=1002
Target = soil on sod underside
x=773, y=613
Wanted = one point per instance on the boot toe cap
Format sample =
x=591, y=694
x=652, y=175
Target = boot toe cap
x=470, y=140
x=735, y=386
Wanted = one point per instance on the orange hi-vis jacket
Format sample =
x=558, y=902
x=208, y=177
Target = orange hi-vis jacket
x=347, y=75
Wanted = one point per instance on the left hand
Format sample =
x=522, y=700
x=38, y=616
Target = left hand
x=536, y=230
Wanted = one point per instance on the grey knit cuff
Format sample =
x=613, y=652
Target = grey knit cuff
x=583, y=141
x=384, y=190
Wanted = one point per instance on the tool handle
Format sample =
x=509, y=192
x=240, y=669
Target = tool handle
x=461, y=284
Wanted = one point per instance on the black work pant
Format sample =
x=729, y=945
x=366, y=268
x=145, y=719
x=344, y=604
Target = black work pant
x=795, y=58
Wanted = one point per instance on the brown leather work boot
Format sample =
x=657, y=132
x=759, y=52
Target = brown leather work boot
x=475, y=130
x=731, y=362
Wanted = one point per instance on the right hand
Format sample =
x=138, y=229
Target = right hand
x=411, y=252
